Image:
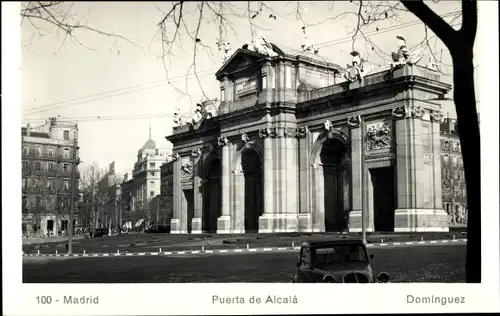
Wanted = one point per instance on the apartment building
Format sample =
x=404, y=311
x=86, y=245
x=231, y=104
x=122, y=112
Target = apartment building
x=47, y=162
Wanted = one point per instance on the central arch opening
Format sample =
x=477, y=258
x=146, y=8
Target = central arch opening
x=254, y=204
x=333, y=157
x=211, y=196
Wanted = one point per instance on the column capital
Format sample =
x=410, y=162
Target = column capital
x=437, y=116
x=175, y=156
x=412, y=111
x=354, y=121
x=222, y=141
x=302, y=131
x=195, y=153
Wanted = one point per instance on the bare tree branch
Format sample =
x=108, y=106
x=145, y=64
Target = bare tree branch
x=442, y=29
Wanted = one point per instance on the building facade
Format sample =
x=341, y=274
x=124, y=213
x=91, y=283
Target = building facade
x=47, y=162
x=453, y=176
x=166, y=191
x=140, y=194
x=292, y=147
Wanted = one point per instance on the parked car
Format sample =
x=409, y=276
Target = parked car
x=98, y=232
x=158, y=229
x=339, y=261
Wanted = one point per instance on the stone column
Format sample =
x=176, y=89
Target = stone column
x=224, y=221
x=282, y=218
x=304, y=216
x=412, y=214
x=238, y=196
x=265, y=221
x=196, y=222
x=355, y=214
x=177, y=191
x=436, y=118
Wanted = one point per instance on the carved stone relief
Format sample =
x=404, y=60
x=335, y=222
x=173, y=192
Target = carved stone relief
x=378, y=136
x=187, y=169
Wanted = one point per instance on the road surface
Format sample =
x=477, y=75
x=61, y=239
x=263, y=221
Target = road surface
x=405, y=264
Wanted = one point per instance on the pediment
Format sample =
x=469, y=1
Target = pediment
x=240, y=59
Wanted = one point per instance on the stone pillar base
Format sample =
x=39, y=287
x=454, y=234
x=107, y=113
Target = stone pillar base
x=355, y=224
x=224, y=225
x=278, y=223
x=420, y=220
x=196, y=226
x=175, y=226
x=304, y=222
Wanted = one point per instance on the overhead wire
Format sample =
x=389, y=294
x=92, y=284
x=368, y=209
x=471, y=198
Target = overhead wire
x=206, y=72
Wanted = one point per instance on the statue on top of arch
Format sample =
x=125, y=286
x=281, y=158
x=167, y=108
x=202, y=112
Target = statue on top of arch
x=261, y=45
x=226, y=48
x=356, y=70
x=179, y=119
x=404, y=56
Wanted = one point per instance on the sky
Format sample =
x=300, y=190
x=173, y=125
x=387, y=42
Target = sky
x=91, y=84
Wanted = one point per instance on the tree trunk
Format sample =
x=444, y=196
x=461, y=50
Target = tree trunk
x=468, y=130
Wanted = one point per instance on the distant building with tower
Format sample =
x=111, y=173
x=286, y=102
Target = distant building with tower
x=47, y=162
x=140, y=190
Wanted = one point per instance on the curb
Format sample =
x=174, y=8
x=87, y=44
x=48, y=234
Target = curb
x=240, y=250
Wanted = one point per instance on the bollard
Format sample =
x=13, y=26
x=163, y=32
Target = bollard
x=248, y=246
x=202, y=248
x=83, y=251
x=38, y=252
x=56, y=251
x=159, y=250
x=117, y=250
x=381, y=240
x=453, y=237
x=293, y=244
x=422, y=238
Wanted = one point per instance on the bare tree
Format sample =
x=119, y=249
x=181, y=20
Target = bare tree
x=58, y=16
x=95, y=195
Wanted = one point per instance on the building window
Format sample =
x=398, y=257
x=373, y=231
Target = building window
x=446, y=145
x=152, y=193
x=152, y=174
x=66, y=152
x=25, y=165
x=66, y=185
x=39, y=151
x=49, y=184
x=51, y=152
x=51, y=167
x=38, y=165
x=66, y=135
x=26, y=150
x=152, y=183
x=151, y=164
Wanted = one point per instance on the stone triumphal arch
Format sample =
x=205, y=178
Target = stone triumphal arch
x=298, y=144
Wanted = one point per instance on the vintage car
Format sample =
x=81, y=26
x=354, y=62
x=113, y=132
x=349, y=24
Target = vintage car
x=339, y=261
